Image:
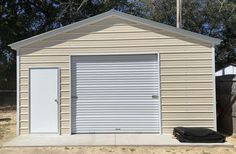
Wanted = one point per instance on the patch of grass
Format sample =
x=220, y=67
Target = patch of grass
x=203, y=152
x=7, y=108
x=2, y=131
x=5, y=119
x=66, y=148
x=123, y=149
x=132, y=149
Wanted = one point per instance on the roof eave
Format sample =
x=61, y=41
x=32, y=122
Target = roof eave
x=198, y=37
x=202, y=38
x=18, y=44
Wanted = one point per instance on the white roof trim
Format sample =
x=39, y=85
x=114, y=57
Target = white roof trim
x=146, y=22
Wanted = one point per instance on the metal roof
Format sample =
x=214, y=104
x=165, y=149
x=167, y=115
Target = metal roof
x=149, y=23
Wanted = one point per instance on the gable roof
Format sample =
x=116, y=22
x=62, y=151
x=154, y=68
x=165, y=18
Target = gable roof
x=227, y=70
x=149, y=23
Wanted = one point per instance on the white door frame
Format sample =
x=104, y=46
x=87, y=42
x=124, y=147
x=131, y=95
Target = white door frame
x=110, y=53
x=58, y=98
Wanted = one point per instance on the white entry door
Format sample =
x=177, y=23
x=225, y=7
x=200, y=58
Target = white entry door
x=44, y=99
x=115, y=94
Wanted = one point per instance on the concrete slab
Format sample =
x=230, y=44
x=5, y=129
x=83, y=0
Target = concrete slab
x=145, y=139
x=102, y=139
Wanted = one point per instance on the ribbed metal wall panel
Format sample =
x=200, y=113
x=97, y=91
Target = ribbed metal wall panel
x=113, y=94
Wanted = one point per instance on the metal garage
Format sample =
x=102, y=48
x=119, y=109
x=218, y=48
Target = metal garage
x=115, y=73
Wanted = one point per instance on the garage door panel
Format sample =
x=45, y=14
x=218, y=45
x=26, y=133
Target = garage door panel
x=81, y=102
x=127, y=98
x=110, y=120
x=116, y=83
x=114, y=94
x=111, y=126
x=84, y=68
x=104, y=130
x=121, y=124
x=119, y=111
x=115, y=77
x=121, y=59
x=116, y=70
x=112, y=74
x=124, y=116
x=118, y=88
x=114, y=91
x=116, y=107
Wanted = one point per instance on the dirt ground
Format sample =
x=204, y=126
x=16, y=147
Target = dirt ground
x=8, y=129
x=7, y=124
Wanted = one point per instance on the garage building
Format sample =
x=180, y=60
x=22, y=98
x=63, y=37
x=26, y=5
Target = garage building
x=115, y=73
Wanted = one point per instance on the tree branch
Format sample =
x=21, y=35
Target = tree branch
x=82, y=3
x=221, y=4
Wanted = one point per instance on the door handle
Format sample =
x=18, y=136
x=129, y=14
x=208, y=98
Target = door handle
x=155, y=97
x=75, y=97
x=56, y=101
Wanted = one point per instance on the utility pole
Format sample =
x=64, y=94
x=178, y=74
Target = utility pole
x=179, y=13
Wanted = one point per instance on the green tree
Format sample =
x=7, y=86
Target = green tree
x=74, y=10
x=20, y=19
x=214, y=18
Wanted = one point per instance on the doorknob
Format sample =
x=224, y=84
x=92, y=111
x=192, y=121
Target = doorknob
x=155, y=97
x=56, y=101
x=75, y=97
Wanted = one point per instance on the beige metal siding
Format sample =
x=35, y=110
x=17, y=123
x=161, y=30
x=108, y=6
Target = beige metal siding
x=186, y=90
x=186, y=71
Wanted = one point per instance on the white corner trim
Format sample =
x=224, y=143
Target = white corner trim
x=70, y=100
x=17, y=93
x=214, y=88
x=159, y=91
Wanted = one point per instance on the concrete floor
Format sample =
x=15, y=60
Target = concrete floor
x=101, y=139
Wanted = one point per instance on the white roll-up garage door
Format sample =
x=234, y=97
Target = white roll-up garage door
x=115, y=94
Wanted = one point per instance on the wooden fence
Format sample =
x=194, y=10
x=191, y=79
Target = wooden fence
x=226, y=103
x=7, y=98
x=8, y=89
